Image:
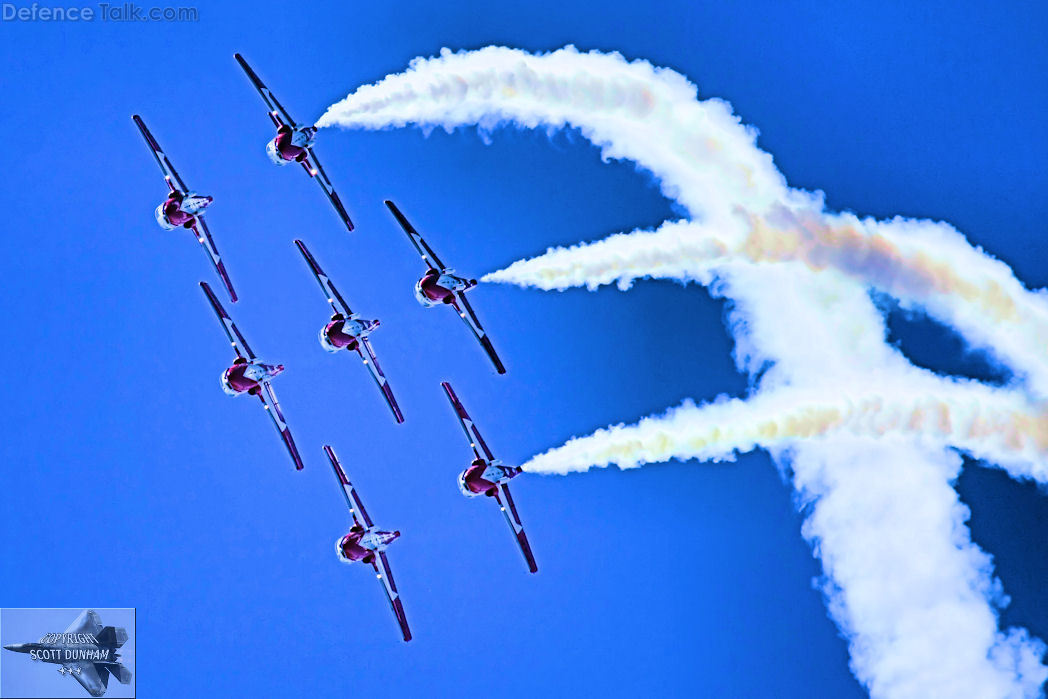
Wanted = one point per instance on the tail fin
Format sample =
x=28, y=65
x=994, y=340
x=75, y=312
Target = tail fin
x=121, y=673
x=114, y=636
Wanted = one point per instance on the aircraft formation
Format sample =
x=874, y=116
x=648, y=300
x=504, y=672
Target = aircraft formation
x=345, y=331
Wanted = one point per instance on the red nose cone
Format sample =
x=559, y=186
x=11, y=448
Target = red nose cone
x=396, y=533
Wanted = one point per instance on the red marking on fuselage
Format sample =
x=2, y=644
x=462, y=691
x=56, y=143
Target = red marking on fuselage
x=284, y=146
x=351, y=548
x=475, y=481
x=434, y=291
x=174, y=214
x=235, y=379
x=337, y=338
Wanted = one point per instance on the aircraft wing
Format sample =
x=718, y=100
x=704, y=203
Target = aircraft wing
x=208, y=243
x=95, y=679
x=385, y=574
x=356, y=507
x=316, y=171
x=428, y=256
x=277, y=113
x=509, y=509
x=371, y=361
x=476, y=442
x=170, y=174
x=87, y=622
x=338, y=304
x=469, y=316
x=240, y=345
x=269, y=402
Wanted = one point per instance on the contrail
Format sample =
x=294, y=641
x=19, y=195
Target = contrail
x=873, y=466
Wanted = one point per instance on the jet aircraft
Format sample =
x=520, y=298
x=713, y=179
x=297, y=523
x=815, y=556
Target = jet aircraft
x=347, y=330
x=184, y=208
x=367, y=543
x=249, y=375
x=86, y=651
x=440, y=286
x=488, y=476
x=294, y=143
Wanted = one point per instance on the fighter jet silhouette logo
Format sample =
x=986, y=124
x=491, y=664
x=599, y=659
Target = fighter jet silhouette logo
x=86, y=651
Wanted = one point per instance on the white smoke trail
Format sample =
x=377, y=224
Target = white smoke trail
x=923, y=264
x=904, y=582
x=617, y=105
x=919, y=609
x=996, y=426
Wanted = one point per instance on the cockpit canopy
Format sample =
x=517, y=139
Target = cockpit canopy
x=325, y=341
x=338, y=549
x=274, y=154
x=463, y=487
x=162, y=219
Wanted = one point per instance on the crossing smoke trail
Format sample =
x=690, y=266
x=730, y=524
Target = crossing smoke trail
x=986, y=424
x=923, y=264
x=872, y=465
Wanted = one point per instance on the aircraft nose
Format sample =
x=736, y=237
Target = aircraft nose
x=17, y=647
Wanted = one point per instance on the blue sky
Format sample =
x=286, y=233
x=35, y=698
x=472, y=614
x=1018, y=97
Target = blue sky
x=132, y=480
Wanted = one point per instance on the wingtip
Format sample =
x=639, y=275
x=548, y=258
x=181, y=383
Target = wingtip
x=342, y=478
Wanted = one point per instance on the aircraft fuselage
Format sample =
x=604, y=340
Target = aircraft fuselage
x=483, y=477
x=246, y=376
x=290, y=145
x=436, y=288
x=362, y=544
x=180, y=210
x=341, y=333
